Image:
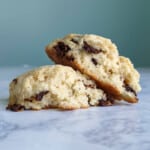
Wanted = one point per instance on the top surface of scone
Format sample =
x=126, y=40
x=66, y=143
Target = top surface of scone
x=54, y=86
x=98, y=58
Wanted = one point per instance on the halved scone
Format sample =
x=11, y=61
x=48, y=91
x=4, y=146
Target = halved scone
x=55, y=86
x=98, y=58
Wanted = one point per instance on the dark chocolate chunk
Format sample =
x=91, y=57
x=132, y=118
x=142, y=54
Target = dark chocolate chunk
x=110, y=98
x=94, y=61
x=70, y=58
x=129, y=89
x=28, y=99
x=104, y=102
x=61, y=49
x=74, y=41
x=15, y=107
x=15, y=80
x=91, y=49
x=40, y=95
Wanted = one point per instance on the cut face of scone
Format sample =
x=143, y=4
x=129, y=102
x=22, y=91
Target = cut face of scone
x=98, y=58
x=55, y=86
x=130, y=77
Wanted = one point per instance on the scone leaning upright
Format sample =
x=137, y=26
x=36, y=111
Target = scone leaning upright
x=98, y=58
x=55, y=86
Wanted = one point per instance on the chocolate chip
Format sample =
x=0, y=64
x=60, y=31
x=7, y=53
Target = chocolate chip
x=70, y=58
x=110, y=98
x=40, y=95
x=15, y=80
x=28, y=99
x=74, y=41
x=91, y=49
x=15, y=107
x=129, y=89
x=61, y=49
x=94, y=61
x=104, y=102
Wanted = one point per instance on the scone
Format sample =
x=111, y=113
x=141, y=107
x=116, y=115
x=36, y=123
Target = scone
x=98, y=58
x=55, y=86
x=131, y=77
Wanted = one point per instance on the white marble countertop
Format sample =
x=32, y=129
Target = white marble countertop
x=123, y=126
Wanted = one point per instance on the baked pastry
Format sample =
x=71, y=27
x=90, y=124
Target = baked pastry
x=98, y=58
x=55, y=86
x=130, y=77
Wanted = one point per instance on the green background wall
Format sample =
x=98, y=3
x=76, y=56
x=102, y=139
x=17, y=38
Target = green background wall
x=26, y=27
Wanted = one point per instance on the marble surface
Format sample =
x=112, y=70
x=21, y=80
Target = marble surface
x=123, y=126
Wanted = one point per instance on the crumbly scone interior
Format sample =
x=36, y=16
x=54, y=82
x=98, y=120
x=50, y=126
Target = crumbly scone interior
x=56, y=86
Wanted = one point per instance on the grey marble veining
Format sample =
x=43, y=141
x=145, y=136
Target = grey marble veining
x=123, y=126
